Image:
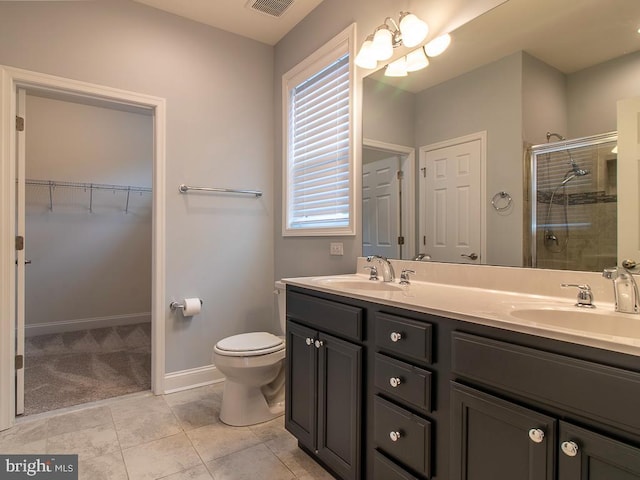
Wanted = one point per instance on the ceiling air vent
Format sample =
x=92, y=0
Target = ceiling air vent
x=273, y=8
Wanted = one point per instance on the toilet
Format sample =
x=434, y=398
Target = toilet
x=253, y=364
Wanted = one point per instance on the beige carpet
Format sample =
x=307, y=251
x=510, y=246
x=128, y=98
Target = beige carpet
x=71, y=368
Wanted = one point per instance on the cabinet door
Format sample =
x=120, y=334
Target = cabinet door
x=585, y=455
x=495, y=439
x=301, y=381
x=339, y=405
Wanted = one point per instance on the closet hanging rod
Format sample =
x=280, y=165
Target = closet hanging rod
x=185, y=188
x=92, y=186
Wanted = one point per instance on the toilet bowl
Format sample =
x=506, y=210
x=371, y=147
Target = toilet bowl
x=253, y=366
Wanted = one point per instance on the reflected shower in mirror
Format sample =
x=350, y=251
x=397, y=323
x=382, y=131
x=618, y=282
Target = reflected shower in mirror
x=510, y=86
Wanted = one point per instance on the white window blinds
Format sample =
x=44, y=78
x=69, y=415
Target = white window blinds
x=319, y=169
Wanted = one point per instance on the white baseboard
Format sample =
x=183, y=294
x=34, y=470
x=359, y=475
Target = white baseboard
x=86, y=324
x=191, y=378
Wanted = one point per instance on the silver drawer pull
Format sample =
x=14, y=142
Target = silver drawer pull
x=319, y=343
x=536, y=435
x=394, y=436
x=395, y=381
x=570, y=449
x=395, y=336
x=309, y=341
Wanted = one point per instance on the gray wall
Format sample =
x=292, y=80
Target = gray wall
x=87, y=265
x=298, y=256
x=465, y=105
x=219, y=91
x=593, y=94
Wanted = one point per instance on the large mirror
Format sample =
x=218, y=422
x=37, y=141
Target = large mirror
x=526, y=73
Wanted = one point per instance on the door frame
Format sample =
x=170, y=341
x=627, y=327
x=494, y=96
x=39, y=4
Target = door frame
x=10, y=80
x=482, y=137
x=408, y=185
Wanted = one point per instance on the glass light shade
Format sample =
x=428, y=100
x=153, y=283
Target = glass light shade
x=417, y=60
x=366, y=57
x=382, y=45
x=438, y=45
x=397, y=68
x=413, y=30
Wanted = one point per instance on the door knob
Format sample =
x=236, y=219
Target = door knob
x=395, y=436
x=309, y=341
x=319, y=343
x=470, y=256
x=395, y=336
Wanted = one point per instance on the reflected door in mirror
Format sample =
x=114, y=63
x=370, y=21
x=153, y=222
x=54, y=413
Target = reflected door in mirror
x=381, y=208
x=450, y=188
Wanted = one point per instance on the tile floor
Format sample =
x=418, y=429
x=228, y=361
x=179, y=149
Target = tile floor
x=173, y=437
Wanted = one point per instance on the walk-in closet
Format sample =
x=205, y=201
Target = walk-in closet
x=88, y=234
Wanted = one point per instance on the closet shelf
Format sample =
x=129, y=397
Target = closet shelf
x=53, y=184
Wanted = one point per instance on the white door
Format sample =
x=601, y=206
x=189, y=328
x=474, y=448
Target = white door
x=20, y=250
x=628, y=171
x=450, y=192
x=381, y=208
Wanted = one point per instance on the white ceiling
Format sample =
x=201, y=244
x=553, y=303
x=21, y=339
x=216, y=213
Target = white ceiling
x=235, y=16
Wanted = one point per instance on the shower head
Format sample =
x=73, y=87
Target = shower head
x=557, y=135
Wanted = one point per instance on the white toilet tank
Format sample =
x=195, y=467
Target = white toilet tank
x=280, y=291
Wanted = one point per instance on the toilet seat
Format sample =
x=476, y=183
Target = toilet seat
x=249, y=344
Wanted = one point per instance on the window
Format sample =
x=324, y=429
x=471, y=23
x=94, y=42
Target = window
x=318, y=170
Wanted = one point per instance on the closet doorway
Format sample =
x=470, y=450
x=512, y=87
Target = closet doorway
x=88, y=211
x=119, y=209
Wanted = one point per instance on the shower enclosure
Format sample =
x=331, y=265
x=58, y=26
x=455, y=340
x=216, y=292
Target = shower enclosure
x=574, y=203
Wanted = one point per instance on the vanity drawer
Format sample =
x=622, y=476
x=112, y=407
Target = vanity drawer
x=385, y=469
x=325, y=315
x=413, y=446
x=576, y=386
x=412, y=384
x=405, y=337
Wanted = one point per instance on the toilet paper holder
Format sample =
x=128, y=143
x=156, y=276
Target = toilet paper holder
x=180, y=306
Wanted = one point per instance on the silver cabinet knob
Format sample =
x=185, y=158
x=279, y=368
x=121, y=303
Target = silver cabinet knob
x=536, y=435
x=309, y=341
x=319, y=343
x=569, y=448
x=395, y=336
x=394, y=436
x=395, y=381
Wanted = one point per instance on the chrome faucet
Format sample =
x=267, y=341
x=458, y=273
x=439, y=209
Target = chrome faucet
x=625, y=289
x=385, y=267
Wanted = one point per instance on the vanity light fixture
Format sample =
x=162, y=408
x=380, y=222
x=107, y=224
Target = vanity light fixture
x=397, y=68
x=438, y=45
x=409, y=31
x=412, y=62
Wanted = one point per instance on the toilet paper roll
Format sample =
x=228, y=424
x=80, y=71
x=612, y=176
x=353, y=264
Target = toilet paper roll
x=192, y=306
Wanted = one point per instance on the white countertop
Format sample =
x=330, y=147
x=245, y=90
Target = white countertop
x=495, y=308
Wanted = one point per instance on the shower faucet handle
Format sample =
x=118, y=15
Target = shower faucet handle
x=585, y=295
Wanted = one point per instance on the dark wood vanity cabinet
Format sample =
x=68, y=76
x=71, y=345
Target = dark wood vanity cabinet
x=323, y=405
x=390, y=394
x=499, y=430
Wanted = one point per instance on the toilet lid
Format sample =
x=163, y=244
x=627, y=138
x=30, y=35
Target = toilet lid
x=249, y=342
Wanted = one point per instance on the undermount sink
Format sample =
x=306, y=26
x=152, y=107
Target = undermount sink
x=597, y=321
x=360, y=284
